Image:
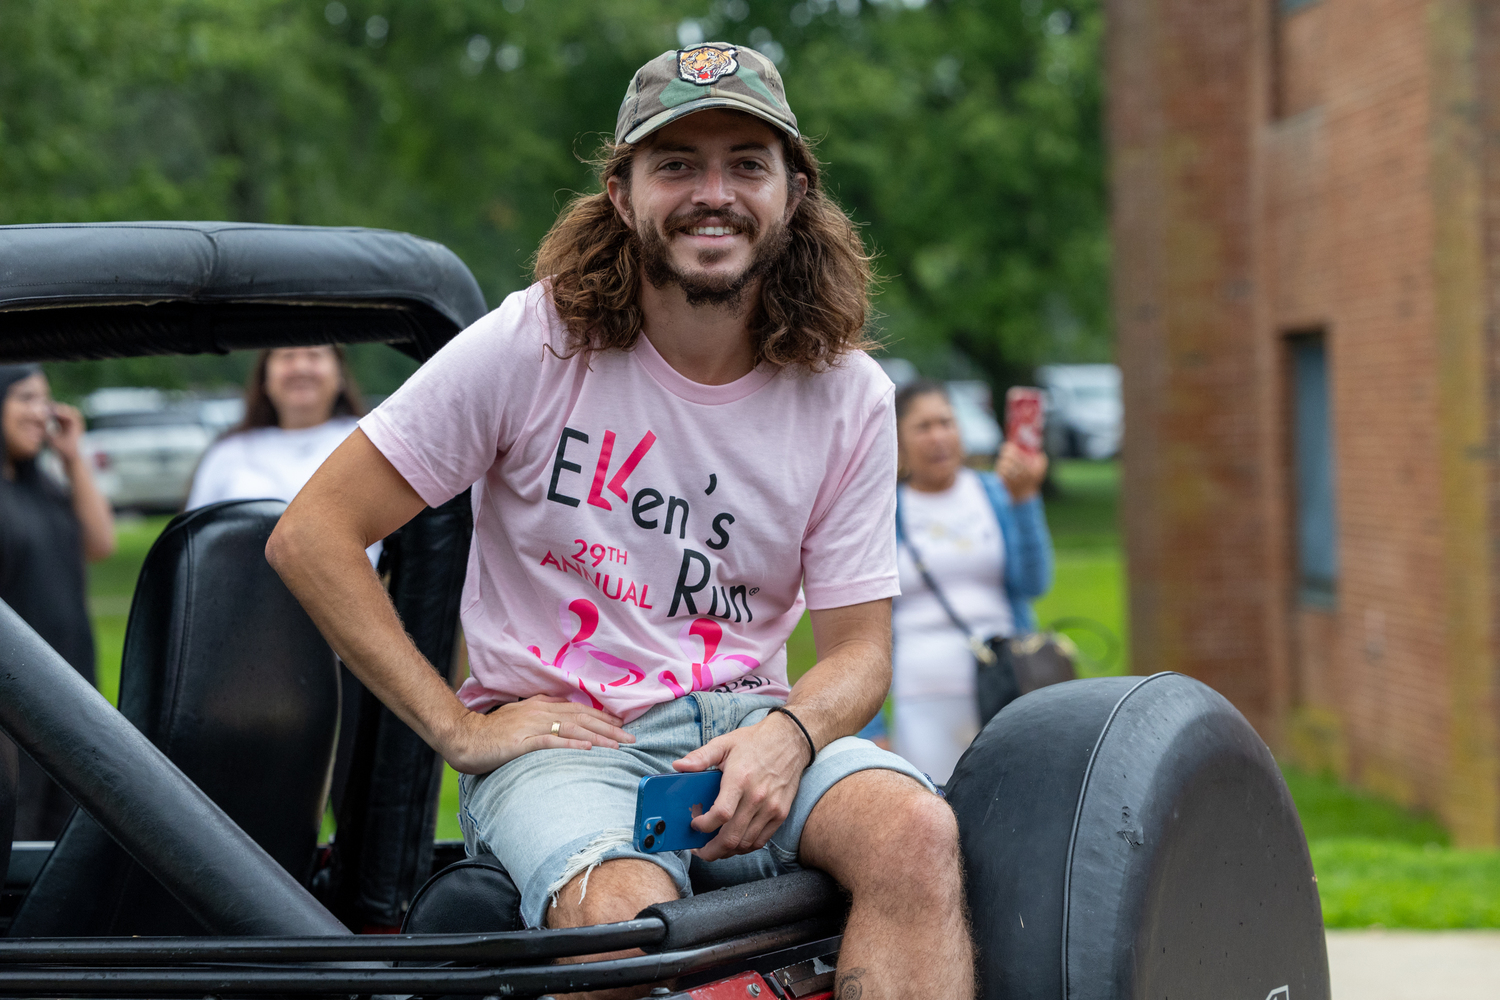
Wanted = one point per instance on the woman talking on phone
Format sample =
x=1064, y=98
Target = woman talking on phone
x=48, y=529
x=981, y=540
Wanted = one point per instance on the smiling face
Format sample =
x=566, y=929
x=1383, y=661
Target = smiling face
x=303, y=383
x=27, y=410
x=709, y=197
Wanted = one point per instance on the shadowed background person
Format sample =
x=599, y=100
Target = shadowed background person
x=47, y=529
x=984, y=539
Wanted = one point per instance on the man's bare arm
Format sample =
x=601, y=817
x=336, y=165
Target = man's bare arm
x=848, y=684
x=354, y=500
x=763, y=764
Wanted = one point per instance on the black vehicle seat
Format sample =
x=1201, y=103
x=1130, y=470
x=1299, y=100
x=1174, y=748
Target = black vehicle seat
x=228, y=676
x=387, y=812
x=472, y=896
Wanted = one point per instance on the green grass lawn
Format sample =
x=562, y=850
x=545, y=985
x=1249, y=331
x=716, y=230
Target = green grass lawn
x=1087, y=599
x=1377, y=864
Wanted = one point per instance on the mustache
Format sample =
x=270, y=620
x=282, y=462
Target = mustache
x=700, y=216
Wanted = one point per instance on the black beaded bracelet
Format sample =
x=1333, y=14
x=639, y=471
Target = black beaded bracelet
x=812, y=747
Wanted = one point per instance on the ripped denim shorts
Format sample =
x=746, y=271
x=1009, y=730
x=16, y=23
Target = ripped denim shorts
x=550, y=814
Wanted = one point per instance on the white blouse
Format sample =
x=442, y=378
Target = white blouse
x=958, y=535
x=268, y=463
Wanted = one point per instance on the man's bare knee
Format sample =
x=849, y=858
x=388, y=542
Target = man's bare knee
x=881, y=829
x=614, y=890
x=916, y=848
x=884, y=835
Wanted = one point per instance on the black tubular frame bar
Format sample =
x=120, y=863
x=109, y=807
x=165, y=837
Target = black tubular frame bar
x=142, y=799
x=473, y=949
x=314, y=980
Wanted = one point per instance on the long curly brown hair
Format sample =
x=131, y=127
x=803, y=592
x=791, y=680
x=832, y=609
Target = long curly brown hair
x=814, y=304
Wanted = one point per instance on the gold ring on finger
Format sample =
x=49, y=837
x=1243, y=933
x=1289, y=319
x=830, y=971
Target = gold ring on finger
x=556, y=728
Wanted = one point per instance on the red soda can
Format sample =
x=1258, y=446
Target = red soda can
x=1023, y=417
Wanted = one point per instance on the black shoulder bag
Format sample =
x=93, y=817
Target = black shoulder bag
x=1004, y=668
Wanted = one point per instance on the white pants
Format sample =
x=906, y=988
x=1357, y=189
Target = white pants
x=933, y=732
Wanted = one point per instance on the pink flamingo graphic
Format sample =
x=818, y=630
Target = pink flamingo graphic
x=712, y=633
x=573, y=655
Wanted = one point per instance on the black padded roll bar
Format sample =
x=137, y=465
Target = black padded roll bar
x=135, y=793
x=742, y=909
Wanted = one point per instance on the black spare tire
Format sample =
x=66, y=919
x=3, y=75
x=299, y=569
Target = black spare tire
x=1130, y=837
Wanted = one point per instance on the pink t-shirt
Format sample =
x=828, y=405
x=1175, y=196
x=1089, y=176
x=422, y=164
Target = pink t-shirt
x=637, y=535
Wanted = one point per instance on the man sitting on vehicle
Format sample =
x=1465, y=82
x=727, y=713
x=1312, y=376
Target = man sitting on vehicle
x=662, y=469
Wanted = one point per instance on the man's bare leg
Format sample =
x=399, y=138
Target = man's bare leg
x=617, y=890
x=894, y=846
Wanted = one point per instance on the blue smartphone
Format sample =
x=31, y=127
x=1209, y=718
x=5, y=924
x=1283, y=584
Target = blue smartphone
x=667, y=804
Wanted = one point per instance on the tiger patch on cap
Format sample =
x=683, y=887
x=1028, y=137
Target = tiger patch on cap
x=706, y=64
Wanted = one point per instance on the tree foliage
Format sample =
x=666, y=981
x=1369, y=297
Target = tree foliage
x=963, y=134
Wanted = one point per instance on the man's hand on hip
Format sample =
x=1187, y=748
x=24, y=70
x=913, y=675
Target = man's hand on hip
x=762, y=767
x=477, y=743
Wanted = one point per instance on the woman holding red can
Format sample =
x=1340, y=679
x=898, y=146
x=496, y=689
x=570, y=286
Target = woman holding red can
x=973, y=550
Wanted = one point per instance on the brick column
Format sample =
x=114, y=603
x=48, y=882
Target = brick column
x=1187, y=90
x=1465, y=58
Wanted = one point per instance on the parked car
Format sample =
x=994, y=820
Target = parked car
x=219, y=413
x=973, y=405
x=145, y=445
x=1085, y=416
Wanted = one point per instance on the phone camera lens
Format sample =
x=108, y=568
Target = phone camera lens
x=650, y=841
x=661, y=828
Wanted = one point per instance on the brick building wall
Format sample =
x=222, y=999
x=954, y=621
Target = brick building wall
x=1331, y=168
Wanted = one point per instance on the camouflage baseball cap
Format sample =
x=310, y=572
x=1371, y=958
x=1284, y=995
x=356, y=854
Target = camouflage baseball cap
x=711, y=75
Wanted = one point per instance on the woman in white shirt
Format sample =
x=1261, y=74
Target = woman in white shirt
x=983, y=538
x=300, y=404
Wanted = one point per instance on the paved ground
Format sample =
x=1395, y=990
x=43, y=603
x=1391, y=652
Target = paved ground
x=1414, y=965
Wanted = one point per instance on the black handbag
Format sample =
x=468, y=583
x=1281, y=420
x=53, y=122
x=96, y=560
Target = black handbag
x=1005, y=668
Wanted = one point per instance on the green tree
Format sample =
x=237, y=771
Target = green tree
x=967, y=136
x=964, y=135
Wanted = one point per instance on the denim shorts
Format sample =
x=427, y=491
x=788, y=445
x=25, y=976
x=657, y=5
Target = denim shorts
x=550, y=815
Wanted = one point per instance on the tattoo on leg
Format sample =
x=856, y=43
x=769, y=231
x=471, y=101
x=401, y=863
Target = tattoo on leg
x=848, y=986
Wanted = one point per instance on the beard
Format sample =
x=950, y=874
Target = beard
x=725, y=291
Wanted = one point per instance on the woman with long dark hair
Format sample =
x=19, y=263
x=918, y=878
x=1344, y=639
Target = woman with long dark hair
x=300, y=404
x=48, y=529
